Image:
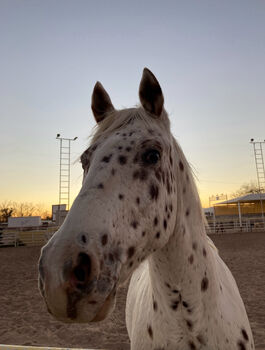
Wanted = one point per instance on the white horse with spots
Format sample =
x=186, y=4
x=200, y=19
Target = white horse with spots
x=138, y=214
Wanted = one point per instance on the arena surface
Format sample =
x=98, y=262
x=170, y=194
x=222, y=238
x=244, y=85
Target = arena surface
x=25, y=321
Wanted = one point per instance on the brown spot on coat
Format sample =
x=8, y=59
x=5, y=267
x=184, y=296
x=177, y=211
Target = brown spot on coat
x=191, y=258
x=150, y=331
x=136, y=174
x=106, y=159
x=134, y=224
x=130, y=252
x=181, y=166
x=111, y=257
x=122, y=160
x=189, y=324
x=104, y=239
x=143, y=174
x=244, y=333
x=140, y=174
x=192, y=345
x=201, y=340
x=154, y=191
x=241, y=345
x=204, y=284
x=175, y=305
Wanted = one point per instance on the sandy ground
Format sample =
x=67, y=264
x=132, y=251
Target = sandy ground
x=25, y=321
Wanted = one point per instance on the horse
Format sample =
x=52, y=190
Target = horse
x=138, y=215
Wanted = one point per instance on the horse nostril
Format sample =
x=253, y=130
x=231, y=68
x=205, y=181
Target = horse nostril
x=83, y=270
x=80, y=274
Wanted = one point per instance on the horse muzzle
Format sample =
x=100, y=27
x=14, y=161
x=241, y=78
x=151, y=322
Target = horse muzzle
x=81, y=289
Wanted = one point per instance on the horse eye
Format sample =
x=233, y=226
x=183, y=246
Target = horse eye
x=151, y=156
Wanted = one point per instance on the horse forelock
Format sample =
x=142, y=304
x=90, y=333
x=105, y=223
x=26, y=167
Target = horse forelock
x=118, y=119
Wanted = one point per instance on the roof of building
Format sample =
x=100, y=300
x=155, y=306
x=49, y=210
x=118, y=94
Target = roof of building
x=248, y=198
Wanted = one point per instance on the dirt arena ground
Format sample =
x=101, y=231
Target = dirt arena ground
x=25, y=321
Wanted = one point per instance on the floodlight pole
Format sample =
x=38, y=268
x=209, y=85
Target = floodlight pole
x=64, y=175
x=259, y=161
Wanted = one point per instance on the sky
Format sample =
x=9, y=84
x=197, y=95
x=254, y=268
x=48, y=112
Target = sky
x=207, y=55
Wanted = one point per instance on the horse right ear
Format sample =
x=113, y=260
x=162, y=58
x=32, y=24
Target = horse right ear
x=150, y=93
x=100, y=103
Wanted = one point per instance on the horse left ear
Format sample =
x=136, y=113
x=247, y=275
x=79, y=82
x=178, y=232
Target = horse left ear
x=150, y=93
x=101, y=103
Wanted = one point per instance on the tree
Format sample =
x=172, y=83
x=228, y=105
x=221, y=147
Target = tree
x=6, y=210
x=23, y=209
x=246, y=188
x=5, y=214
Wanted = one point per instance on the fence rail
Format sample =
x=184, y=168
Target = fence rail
x=234, y=227
x=15, y=238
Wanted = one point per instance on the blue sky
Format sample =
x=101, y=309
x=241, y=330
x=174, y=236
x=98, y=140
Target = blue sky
x=207, y=55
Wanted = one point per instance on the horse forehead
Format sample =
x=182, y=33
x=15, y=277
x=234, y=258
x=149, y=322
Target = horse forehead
x=135, y=135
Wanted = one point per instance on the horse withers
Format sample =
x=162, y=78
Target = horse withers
x=138, y=215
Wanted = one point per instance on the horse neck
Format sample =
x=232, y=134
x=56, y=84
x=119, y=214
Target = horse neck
x=182, y=270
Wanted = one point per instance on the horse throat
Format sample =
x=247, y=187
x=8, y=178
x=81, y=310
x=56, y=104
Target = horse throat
x=182, y=272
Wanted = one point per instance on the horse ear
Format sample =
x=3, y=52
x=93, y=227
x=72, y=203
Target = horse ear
x=100, y=103
x=150, y=93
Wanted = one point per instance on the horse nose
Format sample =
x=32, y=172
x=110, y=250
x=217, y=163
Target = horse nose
x=84, y=271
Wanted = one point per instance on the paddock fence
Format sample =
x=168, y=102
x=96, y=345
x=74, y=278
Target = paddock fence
x=17, y=237
x=22, y=347
x=40, y=236
x=235, y=226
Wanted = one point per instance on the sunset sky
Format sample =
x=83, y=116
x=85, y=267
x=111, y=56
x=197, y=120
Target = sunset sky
x=209, y=57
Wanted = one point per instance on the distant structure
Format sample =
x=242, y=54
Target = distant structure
x=56, y=209
x=64, y=175
x=241, y=214
x=24, y=221
x=259, y=161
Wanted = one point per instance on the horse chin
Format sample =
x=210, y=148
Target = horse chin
x=104, y=311
x=106, y=308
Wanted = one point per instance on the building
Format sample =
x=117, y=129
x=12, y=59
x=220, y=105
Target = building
x=245, y=210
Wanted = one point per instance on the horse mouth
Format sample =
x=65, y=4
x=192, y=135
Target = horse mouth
x=106, y=307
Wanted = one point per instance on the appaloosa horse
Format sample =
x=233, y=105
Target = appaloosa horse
x=138, y=214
